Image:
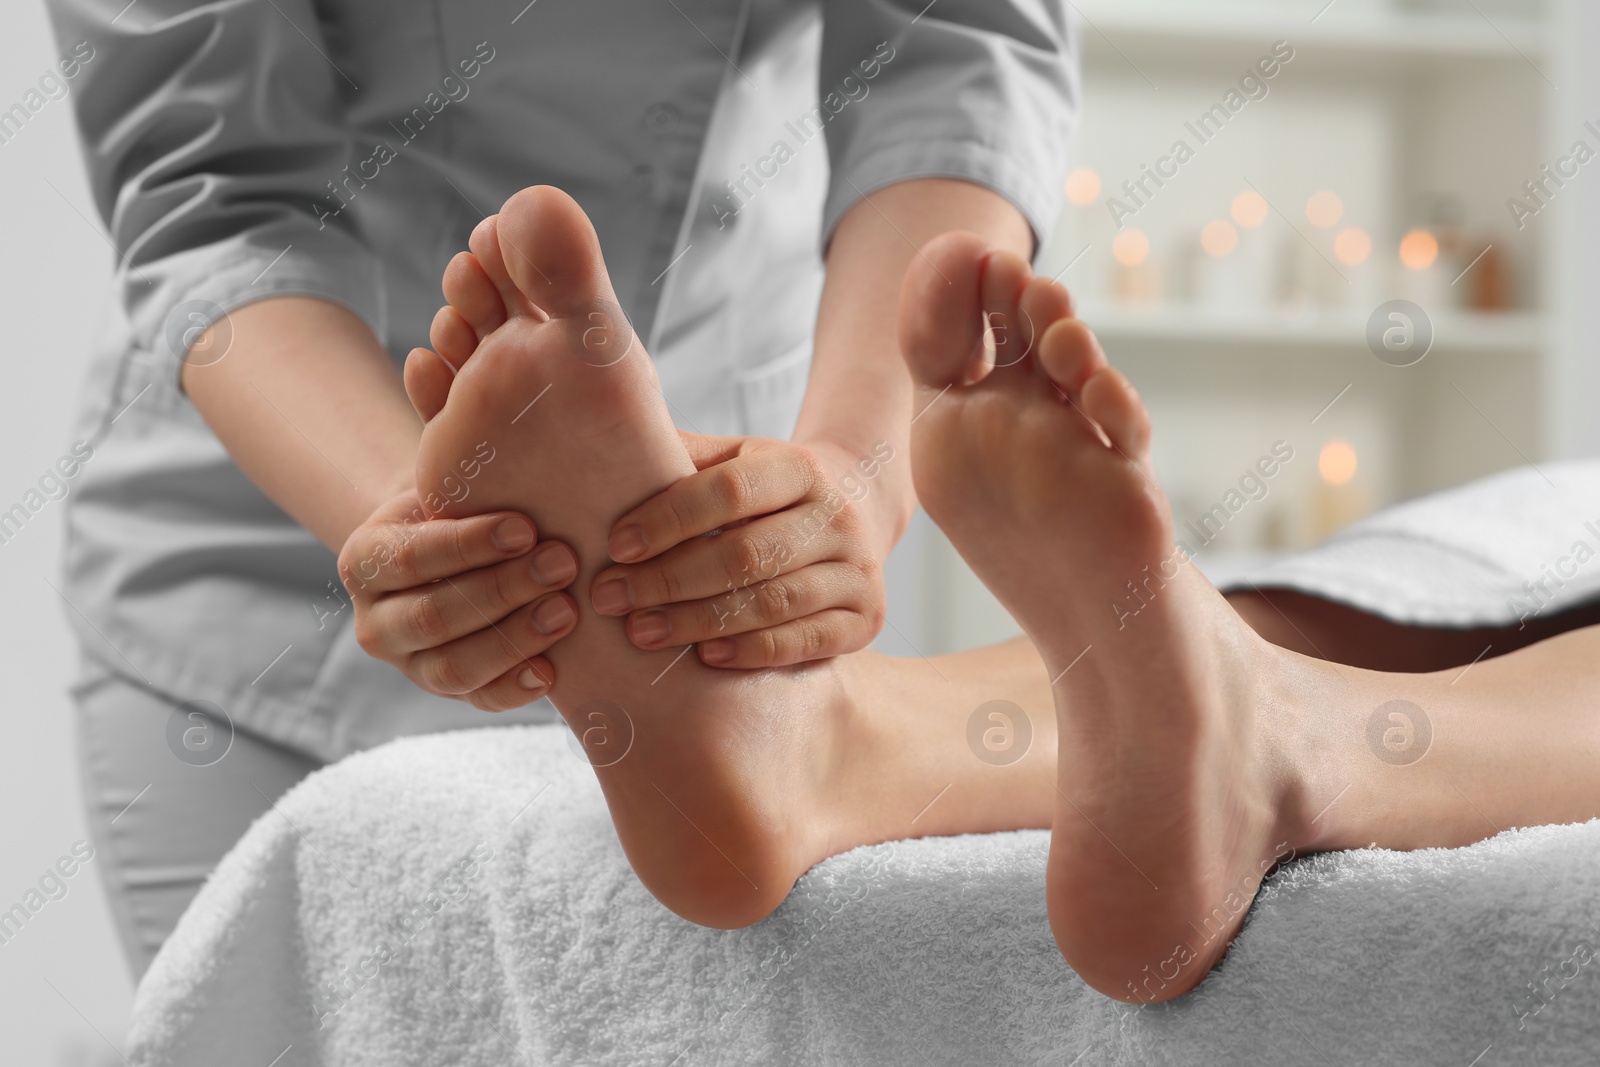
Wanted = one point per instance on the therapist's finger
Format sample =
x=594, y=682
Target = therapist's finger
x=828, y=633
x=761, y=605
x=735, y=559
x=426, y=616
x=384, y=556
x=517, y=688
x=707, y=450
x=743, y=487
x=472, y=662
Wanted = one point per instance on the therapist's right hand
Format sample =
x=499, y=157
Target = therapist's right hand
x=464, y=607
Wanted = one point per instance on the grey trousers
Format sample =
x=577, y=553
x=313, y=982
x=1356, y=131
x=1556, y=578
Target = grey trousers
x=162, y=809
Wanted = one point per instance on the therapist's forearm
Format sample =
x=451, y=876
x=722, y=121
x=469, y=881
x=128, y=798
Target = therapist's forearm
x=860, y=392
x=309, y=406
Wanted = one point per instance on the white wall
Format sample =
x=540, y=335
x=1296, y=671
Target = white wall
x=1574, y=386
x=54, y=267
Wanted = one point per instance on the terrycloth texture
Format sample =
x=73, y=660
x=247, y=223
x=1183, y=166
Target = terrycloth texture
x=934, y=951
x=1521, y=544
x=463, y=899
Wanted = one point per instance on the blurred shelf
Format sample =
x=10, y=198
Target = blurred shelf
x=1188, y=327
x=1353, y=36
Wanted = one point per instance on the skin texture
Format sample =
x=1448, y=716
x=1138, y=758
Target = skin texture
x=734, y=783
x=1194, y=753
x=724, y=786
x=847, y=460
x=1188, y=752
x=308, y=404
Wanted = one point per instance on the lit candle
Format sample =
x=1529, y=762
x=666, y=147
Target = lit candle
x=1134, y=279
x=1340, y=497
x=1422, y=274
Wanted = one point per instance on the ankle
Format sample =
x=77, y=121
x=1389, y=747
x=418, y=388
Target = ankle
x=1311, y=760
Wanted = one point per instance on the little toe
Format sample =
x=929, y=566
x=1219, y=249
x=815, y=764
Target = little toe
x=1070, y=354
x=941, y=311
x=1005, y=277
x=473, y=293
x=1112, y=402
x=428, y=379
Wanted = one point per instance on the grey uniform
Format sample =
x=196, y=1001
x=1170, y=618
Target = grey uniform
x=241, y=149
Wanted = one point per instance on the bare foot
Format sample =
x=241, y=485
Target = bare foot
x=724, y=786
x=1176, y=787
x=550, y=381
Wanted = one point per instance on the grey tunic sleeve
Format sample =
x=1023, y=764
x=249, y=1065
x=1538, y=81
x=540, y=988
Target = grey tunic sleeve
x=984, y=90
x=210, y=130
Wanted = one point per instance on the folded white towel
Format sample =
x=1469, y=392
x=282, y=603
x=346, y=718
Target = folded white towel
x=462, y=899
x=1521, y=544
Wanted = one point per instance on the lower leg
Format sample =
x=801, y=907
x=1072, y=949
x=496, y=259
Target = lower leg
x=1450, y=757
x=1332, y=631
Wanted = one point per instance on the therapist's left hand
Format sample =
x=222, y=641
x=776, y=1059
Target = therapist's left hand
x=794, y=572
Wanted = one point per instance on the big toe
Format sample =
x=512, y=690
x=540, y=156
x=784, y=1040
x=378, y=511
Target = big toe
x=941, y=310
x=552, y=253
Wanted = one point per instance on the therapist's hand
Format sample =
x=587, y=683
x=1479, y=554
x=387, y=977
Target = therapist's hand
x=795, y=573
x=464, y=607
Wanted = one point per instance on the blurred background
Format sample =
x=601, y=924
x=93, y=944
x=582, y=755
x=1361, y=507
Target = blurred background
x=1235, y=240
x=1396, y=152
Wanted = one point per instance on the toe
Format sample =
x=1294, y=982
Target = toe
x=473, y=293
x=1070, y=355
x=1043, y=304
x=1005, y=276
x=552, y=254
x=1111, y=401
x=429, y=373
x=941, y=311
x=428, y=380
x=487, y=245
x=452, y=338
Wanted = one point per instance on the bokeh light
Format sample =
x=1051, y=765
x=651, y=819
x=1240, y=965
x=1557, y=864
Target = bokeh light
x=1131, y=248
x=1324, y=210
x=1419, y=249
x=1337, y=463
x=1083, y=186
x=1352, y=246
x=1219, y=238
x=1250, y=209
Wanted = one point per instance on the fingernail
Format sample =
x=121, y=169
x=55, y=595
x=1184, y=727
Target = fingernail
x=613, y=597
x=627, y=544
x=714, y=652
x=650, y=627
x=529, y=679
x=512, y=535
x=554, y=565
x=552, y=615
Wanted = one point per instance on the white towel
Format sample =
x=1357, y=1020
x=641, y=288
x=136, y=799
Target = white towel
x=1519, y=545
x=462, y=898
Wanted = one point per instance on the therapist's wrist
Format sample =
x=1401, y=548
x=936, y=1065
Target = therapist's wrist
x=876, y=480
